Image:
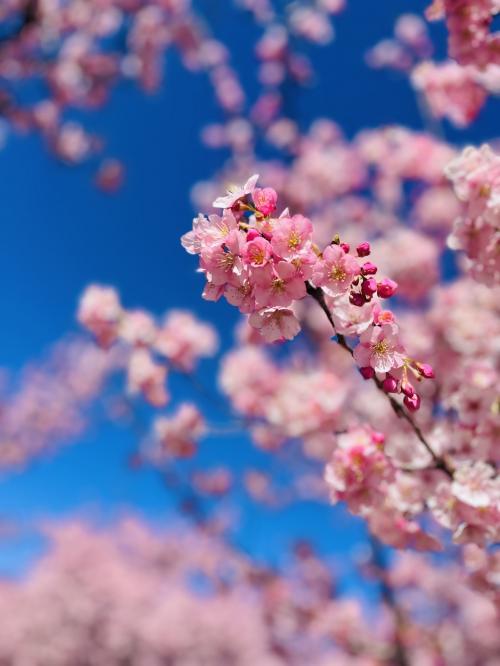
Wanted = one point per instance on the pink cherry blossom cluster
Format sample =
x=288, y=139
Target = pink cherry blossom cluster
x=283, y=403
x=264, y=264
x=50, y=403
x=450, y=90
x=178, y=342
x=431, y=595
x=361, y=474
x=176, y=436
x=82, y=50
x=453, y=90
x=411, y=42
x=475, y=175
x=471, y=40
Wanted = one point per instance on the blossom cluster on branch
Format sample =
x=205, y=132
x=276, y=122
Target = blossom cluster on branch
x=264, y=264
x=393, y=413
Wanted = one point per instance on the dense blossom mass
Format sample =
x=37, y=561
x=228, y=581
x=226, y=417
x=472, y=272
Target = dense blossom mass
x=182, y=598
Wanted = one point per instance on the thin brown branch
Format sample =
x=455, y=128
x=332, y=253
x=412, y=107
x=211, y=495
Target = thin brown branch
x=438, y=462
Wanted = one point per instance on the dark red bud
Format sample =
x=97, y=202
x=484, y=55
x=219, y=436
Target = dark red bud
x=368, y=268
x=413, y=402
x=363, y=249
x=367, y=372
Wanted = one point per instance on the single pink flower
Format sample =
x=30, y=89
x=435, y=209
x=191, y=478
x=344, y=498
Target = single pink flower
x=183, y=340
x=275, y=324
x=222, y=261
x=350, y=319
x=380, y=348
x=335, y=271
x=208, y=232
x=475, y=484
x=257, y=252
x=235, y=193
x=278, y=286
x=292, y=237
x=363, y=249
x=178, y=435
x=100, y=312
x=239, y=292
x=265, y=200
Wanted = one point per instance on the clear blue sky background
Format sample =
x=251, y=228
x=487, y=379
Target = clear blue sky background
x=58, y=233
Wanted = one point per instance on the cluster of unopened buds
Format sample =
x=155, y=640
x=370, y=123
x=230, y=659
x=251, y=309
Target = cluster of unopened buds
x=399, y=379
x=364, y=286
x=262, y=263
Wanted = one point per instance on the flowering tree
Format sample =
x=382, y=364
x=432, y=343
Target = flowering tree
x=129, y=596
x=392, y=412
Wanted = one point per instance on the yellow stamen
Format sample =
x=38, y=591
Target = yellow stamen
x=293, y=241
x=380, y=348
x=337, y=273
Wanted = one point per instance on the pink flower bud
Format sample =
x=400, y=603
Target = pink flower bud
x=252, y=233
x=413, y=402
x=386, y=288
x=357, y=299
x=368, y=268
x=345, y=246
x=378, y=437
x=369, y=287
x=426, y=370
x=407, y=389
x=382, y=317
x=390, y=385
x=265, y=200
x=367, y=372
x=363, y=249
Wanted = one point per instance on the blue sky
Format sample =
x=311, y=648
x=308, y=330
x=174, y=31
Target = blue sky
x=59, y=234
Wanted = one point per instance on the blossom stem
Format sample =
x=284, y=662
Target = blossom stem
x=439, y=462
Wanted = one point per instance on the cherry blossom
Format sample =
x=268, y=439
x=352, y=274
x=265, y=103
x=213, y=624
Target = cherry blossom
x=379, y=347
x=177, y=436
x=275, y=323
x=336, y=271
x=236, y=193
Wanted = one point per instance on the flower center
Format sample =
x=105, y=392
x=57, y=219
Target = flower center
x=337, y=273
x=223, y=230
x=278, y=284
x=258, y=256
x=380, y=348
x=293, y=241
x=245, y=289
x=226, y=260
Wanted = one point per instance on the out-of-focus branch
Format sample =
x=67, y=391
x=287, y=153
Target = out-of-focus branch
x=389, y=599
x=28, y=17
